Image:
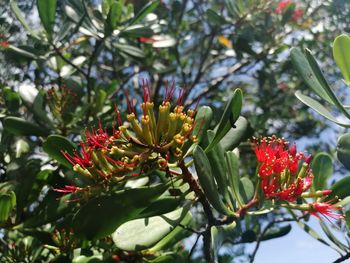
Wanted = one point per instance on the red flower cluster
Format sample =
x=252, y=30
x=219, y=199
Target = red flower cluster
x=278, y=169
x=297, y=12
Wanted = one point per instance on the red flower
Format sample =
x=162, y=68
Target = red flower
x=297, y=14
x=97, y=139
x=278, y=169
x=326, y=209
x=282, y=5
x=4, y=44
x=84, y=161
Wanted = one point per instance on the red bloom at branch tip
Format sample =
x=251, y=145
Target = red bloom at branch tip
x=282, y=5
x=327, y=209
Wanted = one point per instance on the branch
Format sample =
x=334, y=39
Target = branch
x=342, y=258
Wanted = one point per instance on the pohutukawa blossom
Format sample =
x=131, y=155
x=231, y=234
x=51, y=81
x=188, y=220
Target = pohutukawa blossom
x=282, y=5
x=326, y=209
x=142, y=142
x=278, y=169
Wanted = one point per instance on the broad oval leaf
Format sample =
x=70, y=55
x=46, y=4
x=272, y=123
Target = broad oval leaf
x=55, y=144
x=143, y=233
x=233, y=175
x=203, y=119
x=322, y=168
x=113, y=210
x=343, y=150
x=341, y=54
x=277, y=232
x=20, y=126
x=246, y=189
x=235, y=135
x=148, y=8
x=340, y=189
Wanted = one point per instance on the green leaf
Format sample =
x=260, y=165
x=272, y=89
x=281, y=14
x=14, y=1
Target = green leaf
x=216, y=158
x=55, y=144
x=341, y=54
x=233, y=175
x=148, y=8
x=19, y=126
x=235, y=135
x=322, y=168
x=113, y=17
x=143, y=233
x=170, y=257
x=246, y=189
x=332, y=237
x=161, y=206
x=204, y=115
x=113, y=210
x=305, y=70
x=343, y=150
x=214, y=18
x=220, y=234
x=22, y=147
x=277, y=232
x=130, y=50
x=7, y=203
x=21, y=19
x=312, y=233
x=135, y=31
x=207, y=182
x=231, y=113
x=347, y=219
x=340, y=189
x=179, y=233
x=318, y=107
x=47, y=12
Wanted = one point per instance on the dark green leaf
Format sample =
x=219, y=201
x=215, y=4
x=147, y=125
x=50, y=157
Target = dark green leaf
x=246, y=189
x=233, y=175
x=277, y=232
x=214, y=18
x=340, y=189
x=113, y=210
x=19, y=126
x=47, y=12
x=113, y=17
x=203, y=119
x=207, y=182
x=55, y=144
x=235, y=135
x=148, y=8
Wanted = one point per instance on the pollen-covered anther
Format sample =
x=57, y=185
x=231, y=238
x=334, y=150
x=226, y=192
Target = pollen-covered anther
x=162, y=163
x=178, y=152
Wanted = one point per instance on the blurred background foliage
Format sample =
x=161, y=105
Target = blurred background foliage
x=63, y=69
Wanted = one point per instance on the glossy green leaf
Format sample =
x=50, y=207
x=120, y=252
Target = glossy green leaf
x=232, y=163
x=341, y=54
x=22, y=147
x=7, y=203
x=20, y=126
x=179, y=233
x=130, y=50
x=161, y=206
x=135, y=31
x=235, y=135
x=113, y=210
x=207, y=182
x=55, y=144
x=322, y=168
x=277, y=232
x=246, y=189
x=317, y=71
x=343, y=150
x=340, y=189
x=21, y=19
x=231, y=113
x=170, y=257
x=47, y=12
x=217, y=161
x=148, y=8
x=305, y=70
x=318, y=107
x=143, y=233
